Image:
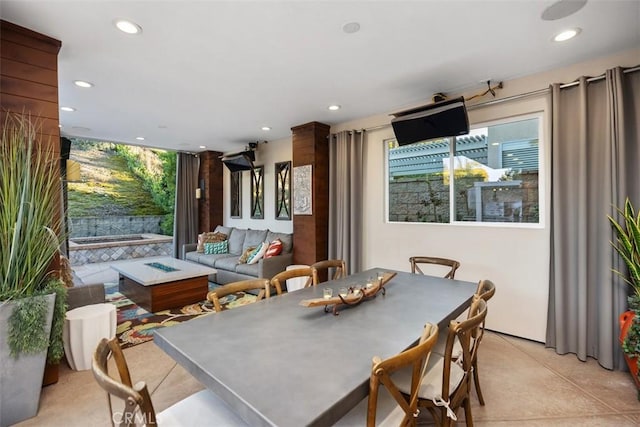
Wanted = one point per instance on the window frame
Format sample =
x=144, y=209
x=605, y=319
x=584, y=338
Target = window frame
x=540, y=115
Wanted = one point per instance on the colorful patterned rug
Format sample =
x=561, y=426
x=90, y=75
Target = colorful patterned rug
x=136, y=325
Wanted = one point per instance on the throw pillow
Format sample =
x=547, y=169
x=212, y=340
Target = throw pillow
x=216, y=248
x=275, y=248
x=258, y=253
x=245, y=255
x=209, y=237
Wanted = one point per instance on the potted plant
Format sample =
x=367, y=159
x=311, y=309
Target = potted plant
x=627, y=245
x=30, y=236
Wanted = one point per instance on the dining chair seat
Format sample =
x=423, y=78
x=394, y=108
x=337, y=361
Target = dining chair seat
x=203, y=406
x=431, y=385
x=133, y=405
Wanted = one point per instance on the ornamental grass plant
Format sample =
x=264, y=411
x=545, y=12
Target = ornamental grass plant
x=627, y=245
x=30, y=233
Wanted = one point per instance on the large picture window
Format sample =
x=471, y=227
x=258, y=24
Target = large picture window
x=495, y=176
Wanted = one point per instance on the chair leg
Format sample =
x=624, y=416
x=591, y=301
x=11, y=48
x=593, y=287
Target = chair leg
x=476, y=381
x=467, y=411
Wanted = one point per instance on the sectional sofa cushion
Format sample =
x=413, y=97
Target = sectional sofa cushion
x=228, y=263
x=248, y=269
x=236, y=241
x=254, y=238
x=208, y=260
x=286, y=238
x=224, y=230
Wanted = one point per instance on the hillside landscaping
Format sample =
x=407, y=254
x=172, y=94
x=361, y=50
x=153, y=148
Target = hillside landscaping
x=118, y=180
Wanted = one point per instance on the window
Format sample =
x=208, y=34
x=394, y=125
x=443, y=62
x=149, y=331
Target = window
x=495, y=176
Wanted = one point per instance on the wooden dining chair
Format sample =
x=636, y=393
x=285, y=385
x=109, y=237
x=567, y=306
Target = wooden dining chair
x=452, y=264
x=485, y=290
x=447, y=383
x=262, y=286
x=445, y=262
x=338, y=266
x=203, y=406
x=281, y=278
x=414, y=359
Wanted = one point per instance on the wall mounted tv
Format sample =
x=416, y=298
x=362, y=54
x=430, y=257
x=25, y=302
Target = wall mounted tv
x=239, y=161
x=437, y=120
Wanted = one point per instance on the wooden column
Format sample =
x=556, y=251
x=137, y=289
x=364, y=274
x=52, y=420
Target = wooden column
x=310, y=232
x=210, y=212
x=29, y=79
x=29, y=86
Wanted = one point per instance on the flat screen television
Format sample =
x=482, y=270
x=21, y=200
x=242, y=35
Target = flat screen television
x=239, y=161
x=437, y=120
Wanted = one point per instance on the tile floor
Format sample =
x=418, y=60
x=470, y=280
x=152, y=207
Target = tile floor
x=523, y=383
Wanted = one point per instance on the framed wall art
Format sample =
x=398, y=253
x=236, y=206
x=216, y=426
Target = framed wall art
x=302, y=190
x=283, y=190
x=235, y=194
x=257, y=192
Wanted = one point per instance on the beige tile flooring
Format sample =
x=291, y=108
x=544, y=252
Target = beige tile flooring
x=523, y=383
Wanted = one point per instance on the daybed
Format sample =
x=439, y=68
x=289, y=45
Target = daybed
x=239, y=240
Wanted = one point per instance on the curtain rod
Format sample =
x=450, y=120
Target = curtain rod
x=518, y=96
x=545, y=90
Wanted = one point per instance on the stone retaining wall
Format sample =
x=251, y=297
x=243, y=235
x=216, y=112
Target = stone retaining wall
x=114, y=225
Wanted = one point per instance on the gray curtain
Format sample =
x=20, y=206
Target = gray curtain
x=346, y=176
x=185, y=223
x=595, y=166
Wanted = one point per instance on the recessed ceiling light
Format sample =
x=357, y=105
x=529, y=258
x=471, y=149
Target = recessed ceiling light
x=351, y=27
x=566, y=35
x=67, y=109
x=495, y=143
x=334, y=107
x=82, y=83
x=140, y=138
x=266, y=128
x=203, y=146
x=127, y=26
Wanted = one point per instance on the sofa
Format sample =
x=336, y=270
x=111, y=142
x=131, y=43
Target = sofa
x=228, y=265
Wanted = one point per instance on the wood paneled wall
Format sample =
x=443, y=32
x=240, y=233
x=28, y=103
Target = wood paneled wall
x=29, y=85
x=29, y=79
x=210, y=212
x=311, y=232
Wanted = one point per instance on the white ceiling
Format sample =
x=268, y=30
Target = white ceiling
x=212, y=73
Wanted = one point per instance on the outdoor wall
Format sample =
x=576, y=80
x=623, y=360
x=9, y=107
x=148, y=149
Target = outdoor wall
x=267, y=155
x=114, y=225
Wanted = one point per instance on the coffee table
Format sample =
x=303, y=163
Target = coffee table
x=162, y=283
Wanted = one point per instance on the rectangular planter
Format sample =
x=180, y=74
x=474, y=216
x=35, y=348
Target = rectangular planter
x=20, y=378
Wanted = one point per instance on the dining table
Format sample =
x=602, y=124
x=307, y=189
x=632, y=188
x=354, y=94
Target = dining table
x=278, y=363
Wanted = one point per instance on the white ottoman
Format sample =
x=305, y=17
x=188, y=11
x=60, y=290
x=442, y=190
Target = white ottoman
x=84, y=327
x=297, y=282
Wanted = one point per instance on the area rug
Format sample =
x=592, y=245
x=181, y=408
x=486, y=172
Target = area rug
x=136, y=325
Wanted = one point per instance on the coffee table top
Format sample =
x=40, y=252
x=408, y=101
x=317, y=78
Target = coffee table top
x=161, y=270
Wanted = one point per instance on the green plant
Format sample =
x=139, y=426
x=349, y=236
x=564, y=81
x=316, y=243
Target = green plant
x=30, y=232
x=627, y=245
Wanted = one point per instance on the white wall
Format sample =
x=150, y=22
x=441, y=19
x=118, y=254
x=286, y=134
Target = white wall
x=516, y=259
x=267, y=155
